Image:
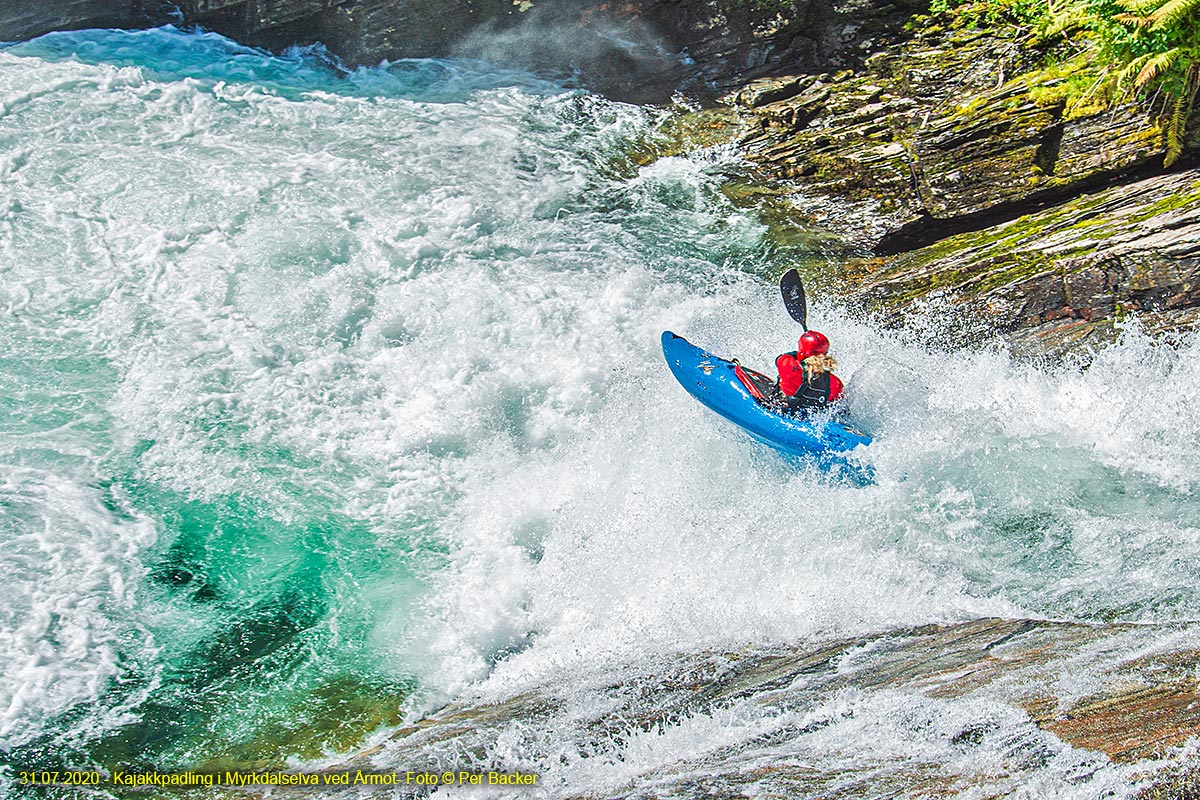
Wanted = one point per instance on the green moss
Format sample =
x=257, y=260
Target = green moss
x=1076, y=85
x=982, y=261
x=1000, y=237
x=1172, y=203
x=983, y=276
x=1071, y=88
x=973, y=105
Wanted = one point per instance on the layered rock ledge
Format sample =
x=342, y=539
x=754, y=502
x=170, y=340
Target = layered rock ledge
x=1059, y=278
x=949, y=131
x=953, y=159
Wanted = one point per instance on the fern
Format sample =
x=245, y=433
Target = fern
x=1159, y=41
x=1173, y=13
x=1134, y=20
x=1139, y=6
x=1074, y=17
x=1181, y=112
x=1145, y=49
x=1155, y=66
x=1133, y=68
x=1175, y=127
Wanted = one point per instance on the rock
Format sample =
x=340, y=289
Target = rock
x=1122, y=707
x=25, y=19
x=772, y=90
x=1102, y=723
x=1113, y=141
x=1177, y=784
x=961, y=167
x=1059, y=278
x=947, y=128
x=966, y=165
x=636, y=50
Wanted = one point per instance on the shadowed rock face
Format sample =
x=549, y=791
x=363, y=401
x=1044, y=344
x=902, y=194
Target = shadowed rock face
x=25, y=19
x=632, y=50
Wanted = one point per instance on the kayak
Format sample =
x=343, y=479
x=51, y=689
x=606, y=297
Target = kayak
x=743, y=397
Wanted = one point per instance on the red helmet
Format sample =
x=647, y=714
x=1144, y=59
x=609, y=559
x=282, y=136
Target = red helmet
x=812, y=343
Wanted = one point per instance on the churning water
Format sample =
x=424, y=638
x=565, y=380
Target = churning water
x=322, y=389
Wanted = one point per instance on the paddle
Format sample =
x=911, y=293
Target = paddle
x=792, y=290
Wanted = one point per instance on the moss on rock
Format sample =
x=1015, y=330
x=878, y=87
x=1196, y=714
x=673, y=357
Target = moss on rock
x=1063, y=274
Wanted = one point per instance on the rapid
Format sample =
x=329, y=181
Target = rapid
x=330, y=395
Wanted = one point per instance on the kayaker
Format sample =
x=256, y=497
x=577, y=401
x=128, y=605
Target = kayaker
x=806, y=376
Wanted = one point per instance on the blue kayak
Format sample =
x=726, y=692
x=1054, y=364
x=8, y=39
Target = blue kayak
x=741, y=395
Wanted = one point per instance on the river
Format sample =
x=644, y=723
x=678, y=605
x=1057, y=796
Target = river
x=327, y=395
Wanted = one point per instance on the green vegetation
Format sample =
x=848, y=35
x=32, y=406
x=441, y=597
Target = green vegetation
x=981, y=13
x=1108, y=51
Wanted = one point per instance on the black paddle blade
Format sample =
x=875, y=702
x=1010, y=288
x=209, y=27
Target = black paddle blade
x=792, y=290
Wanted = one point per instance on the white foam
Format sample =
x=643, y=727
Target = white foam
x=68, y=626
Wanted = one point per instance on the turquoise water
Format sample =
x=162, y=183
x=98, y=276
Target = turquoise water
x=329, y=394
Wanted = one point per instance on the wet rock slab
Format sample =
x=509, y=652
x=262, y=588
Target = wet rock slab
x=1043, y=684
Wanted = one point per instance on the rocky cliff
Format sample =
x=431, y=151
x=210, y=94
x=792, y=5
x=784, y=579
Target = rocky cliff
x=1062, y=277
x=954, y=160
x=946, y=132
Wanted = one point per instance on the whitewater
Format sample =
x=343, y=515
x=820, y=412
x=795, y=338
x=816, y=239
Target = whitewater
x=331, y=395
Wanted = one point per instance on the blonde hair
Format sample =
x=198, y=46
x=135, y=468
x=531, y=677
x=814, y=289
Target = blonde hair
x=815, y=365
